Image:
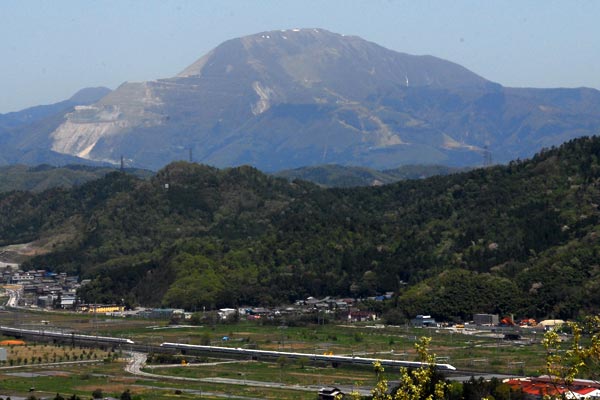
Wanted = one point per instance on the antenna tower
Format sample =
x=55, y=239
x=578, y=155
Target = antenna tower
x=487, y=157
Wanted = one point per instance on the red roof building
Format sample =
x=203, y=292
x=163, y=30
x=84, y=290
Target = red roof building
x=537, y=388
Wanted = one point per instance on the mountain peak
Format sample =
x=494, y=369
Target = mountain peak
x=316, y=55
x=299, y=97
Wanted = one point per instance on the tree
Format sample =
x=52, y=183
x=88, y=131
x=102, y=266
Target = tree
x=303, y=361
x=422, y=383
x=580, y=358
x=282, y=361
x=126, y=395
x=97, y=394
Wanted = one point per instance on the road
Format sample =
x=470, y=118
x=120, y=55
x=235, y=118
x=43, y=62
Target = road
x=137, y=361
x=13, y=296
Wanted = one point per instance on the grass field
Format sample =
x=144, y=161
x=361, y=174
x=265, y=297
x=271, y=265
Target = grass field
x=465, y=349
x=33, y=353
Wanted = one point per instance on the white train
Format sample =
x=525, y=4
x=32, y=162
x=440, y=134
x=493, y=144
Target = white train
x=257, y=354
x=64, y=335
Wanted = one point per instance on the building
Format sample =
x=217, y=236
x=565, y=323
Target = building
x=486, y=319
x=423, y=320
x=101, y=308
x=329, y=393
x=361, y=316
x=537, y=388
x=162, y=313
x=549, y=324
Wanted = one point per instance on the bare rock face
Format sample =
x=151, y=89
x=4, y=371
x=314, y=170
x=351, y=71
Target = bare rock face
x=291, y=98
x=132, y=105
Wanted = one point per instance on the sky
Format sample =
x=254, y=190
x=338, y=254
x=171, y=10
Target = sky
x=51, y=49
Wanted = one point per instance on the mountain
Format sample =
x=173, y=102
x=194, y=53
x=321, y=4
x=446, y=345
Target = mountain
x=304, y=97
x=24, y=134
x=520, y=238
x=34, y=114
x=344, y=176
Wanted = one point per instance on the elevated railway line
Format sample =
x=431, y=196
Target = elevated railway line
x=211, y=351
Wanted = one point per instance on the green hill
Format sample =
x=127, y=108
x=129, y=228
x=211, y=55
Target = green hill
x=348, y=176
x=521, y=238
x=43, y=177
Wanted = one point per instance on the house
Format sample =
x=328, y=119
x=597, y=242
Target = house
x=329, y=393
x=536, y=388
x=67, y=302
x=549, y=324
x=226, y=313
x=360, y=316
x=585, y=393
x=423, y=320
x=341, y=305
x=261, y=311
x=45, y=301
x=21, y=279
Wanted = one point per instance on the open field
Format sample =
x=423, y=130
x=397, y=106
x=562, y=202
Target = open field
x=477, y=351
x=33, y=353
x=286, y=372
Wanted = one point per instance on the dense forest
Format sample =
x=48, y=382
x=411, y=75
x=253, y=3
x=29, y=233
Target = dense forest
x=332, y=175
x=43, y=177
x=521, y=238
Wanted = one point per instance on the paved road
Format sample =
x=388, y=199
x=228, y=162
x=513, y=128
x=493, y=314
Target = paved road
x=138, y=360
x=13, y=297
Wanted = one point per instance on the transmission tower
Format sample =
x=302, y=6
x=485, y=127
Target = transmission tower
x=487, y=157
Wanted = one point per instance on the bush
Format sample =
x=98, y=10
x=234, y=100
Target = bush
x=205, y=339
x=394, y=317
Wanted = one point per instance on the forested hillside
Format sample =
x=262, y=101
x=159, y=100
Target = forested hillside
x=521, y=238
x=43, y=177
x=347, y=176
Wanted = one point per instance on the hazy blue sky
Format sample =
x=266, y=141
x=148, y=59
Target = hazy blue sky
x=50, y=49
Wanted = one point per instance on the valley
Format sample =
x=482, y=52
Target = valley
x=473, y=351
x=299, y=200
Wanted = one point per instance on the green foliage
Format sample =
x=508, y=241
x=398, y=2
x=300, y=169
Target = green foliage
x=303, y=362
x=461, y=293
x=282, y=361
x=578, y=358
x=346, y=176
x=44, y=177
x=477, y=389
x=421, y=383
x=205, y=339
x=520, y=238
